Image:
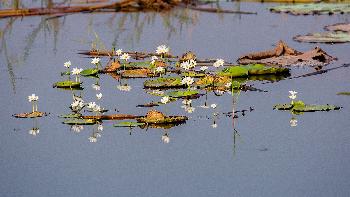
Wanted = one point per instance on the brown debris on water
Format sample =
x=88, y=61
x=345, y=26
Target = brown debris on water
x=283, y=55
x=36, y=114
x=112, y=67
x=343, y=27
x=136, y=73
x=188, y=56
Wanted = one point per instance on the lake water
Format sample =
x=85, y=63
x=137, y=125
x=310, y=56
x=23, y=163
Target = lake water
x=261, y=156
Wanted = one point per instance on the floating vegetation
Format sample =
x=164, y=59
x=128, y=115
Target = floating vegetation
x=283, y=55
x=67, y=84
x=313, y=8
x=184, y=94
x=251, y=70
x=156, y=117
x=164, y=82
x=338, y=33
x=129, y=124
x=79, y=121
x=35, y=114
x=344, y=93
x=89, y=72
x=136, y=73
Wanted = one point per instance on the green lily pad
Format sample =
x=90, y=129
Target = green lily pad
x=313, y=8
x=300, y=106
x=261, y=69
x=344, y=93
x=180, y=94
x=129, y=124
x=67, y=84
x=325, y=37
x=70, y=116
x=89, y=72
x=164, y=82
x=234, y=71
x=144, y=64
x=78, y=121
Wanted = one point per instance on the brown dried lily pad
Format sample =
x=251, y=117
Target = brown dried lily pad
x=188, y=56
x=283, y=55
x=156, y=117
x=112, y=67
x=35, y=114
x=344, y=27
x=136, y=73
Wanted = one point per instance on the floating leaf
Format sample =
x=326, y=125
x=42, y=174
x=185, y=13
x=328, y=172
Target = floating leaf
x=78, y=121
x=325, y=37
x=314, y=8
x=344, y=93
x=67, y=84
x=299, y=106
x=261, y=69
x=234, y=71
x=70, y=116
x=162, y=82
x=193, y=74
x=35, y=114
x=129, y=124
x=181, y=94
x=136, y=73
x=89, y=72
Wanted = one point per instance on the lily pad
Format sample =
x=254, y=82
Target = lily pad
x=129, y=124
x=79, y=121
x=89, y=72
x=300, y=106
x=35, y=114
x=181, y=94
x=70, y=116
x=164, y=82
x=325, y=37
x=234, y=71
x=313, y=8
x=193, y=74
x=261, y=69
x=136, y=73
x=67, y=84
x=344, y=93
x=343, y=27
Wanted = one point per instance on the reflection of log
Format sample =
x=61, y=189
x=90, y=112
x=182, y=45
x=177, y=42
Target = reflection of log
x=112, y=117
x=215, y=10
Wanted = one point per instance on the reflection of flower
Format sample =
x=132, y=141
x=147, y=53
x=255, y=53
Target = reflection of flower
x=213, y=105
x=99, y=96
x=77, y=128
x=187, y=102
x=95, y=60
x=153, y=58
x=92, y=139
x=187, y=80
x=165, y=139
x=34, y=131
x=293, y=122
x=32, y=98
x=91, y=105
x=100, y=127
x=218, y=63
x=96, y=87
x=227, y=85
x=125, y=88
x=67, y=64
x=125, y=57
x=214, y=125
x=97, y=108
x=162, y=49
x=189, y=109
x=119, y=52
x=293, y=94
x=164, y=99
x=203, y=68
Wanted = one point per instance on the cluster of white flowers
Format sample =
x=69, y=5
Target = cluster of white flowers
x=187, y=81
x=162, y=49
x=293, y=94
x=125, y=57
x=125, y=88
x=77, y=128
x=67, y=64
x=165, y=99
x=187, y=65
x=33, y=97
x=218, y=63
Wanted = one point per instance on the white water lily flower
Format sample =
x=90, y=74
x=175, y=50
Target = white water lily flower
x=162, y=49
x=100, y=127
x=76, y=71
x=119, y=52
x=187, y=80
x=67, y=64
x=33, y=97
x=218, y=63
x=125, y=88
x=77, y=128
x=160, y=69
x=293, y=122
x=95, y=60
x=99, y=96
x=92, y=139
x=214, y=125
x=34, y=131
x=189, y=109
x=96, y=87
x=203, y=68
x=97, y=108
x=76, y=105
x=164, y=99
x=165, y=139
x=213, y=105
x=125, y=57
x=91, y=105
x=293, y=94
x=229, y=84
x=185, y=65
x=187, y=102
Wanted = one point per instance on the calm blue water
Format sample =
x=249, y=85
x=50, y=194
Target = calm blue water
x=267, y=157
